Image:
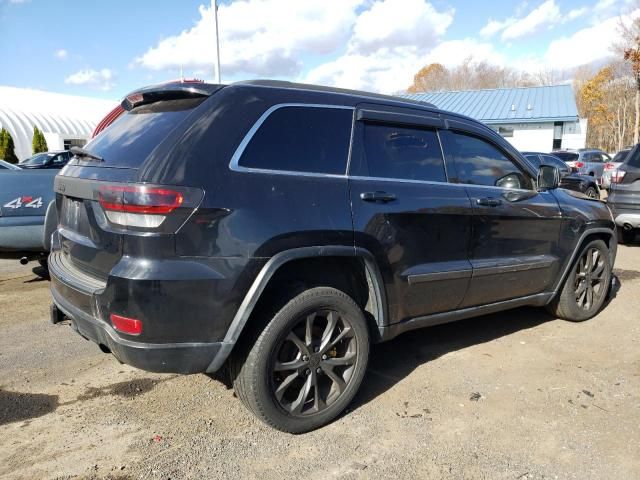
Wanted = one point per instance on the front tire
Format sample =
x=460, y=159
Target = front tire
x=308, y=362
x=585, y=288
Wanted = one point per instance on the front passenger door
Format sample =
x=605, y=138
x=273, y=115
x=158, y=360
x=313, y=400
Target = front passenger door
x=515, y=229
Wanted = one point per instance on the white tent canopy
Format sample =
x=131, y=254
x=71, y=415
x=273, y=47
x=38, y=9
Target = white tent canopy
x=62, y=118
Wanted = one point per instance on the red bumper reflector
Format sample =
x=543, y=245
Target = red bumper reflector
x=130, y=326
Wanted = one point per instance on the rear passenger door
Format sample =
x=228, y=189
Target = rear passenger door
x=415, y=223
x=514, y=246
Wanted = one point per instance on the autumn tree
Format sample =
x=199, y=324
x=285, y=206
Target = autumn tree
x=606, y=99
x=39, y=143
x=429, y=78
x=7, y=148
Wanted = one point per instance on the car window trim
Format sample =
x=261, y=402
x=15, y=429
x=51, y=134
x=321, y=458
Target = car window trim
x=235, y=159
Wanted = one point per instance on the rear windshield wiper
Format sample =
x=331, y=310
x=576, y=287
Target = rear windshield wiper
x=81, y=152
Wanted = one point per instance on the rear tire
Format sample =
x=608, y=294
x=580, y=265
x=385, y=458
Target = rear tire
x=308, y=362
x=585, y=288
x=591, y=192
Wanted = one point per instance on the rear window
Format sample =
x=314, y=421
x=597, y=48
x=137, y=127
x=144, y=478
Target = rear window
x=129, y=140
x=620, y=156
x=633, y=159
x=301, y=139
x=566, y=156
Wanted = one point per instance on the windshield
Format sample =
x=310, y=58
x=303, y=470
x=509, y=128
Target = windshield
x=566, y=156
x=37, y=160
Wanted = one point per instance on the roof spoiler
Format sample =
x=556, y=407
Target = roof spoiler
x=168, y=91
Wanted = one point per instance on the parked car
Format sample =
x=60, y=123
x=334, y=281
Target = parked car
x=585, y=161
x=624, y=196
x=8, y=166
x=612, y=166
x=55, y=160
x=571, y=181
x=297, y=225
x=26, y=203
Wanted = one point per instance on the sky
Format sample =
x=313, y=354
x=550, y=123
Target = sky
x=106, y=49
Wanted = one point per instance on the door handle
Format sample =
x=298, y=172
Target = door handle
x=383, y=197
x=488, y=202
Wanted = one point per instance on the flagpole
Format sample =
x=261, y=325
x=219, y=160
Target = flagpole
x=215, y=15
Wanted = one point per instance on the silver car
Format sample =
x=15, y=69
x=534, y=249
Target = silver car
x=585, y=161
x=612, y=166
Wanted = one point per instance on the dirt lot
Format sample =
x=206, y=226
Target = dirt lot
x=515, y=395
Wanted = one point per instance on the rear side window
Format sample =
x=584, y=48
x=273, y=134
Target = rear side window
x=480, y=163
x=129, y=140
x=401, y=153
x=301, y=139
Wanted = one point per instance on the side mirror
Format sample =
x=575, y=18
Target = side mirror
x=548, y=177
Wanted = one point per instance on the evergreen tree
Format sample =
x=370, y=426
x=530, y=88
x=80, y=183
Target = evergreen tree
x=38, y=144
x=7, y=148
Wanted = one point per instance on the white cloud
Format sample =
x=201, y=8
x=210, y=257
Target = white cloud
x=61, y=54
x=398, y=23
x=453, y=52
x=98, y=79
x=258, y=37
x=543, y=17
x=390, y=41
x=586, y=45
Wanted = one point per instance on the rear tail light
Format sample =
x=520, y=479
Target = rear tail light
x=609, y=166
x=130, y=326
x=143, y=206
x=579, y=164
x=617, y=176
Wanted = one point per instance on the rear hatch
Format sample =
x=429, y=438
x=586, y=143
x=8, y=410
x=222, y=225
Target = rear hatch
x=100, y=201
x=625, y=184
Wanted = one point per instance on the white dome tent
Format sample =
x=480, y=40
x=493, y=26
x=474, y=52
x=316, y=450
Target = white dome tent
x=65, y=120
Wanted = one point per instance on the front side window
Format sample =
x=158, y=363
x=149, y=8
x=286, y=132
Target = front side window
x=555, y=162
x=478, y=162
x=401, y=153
x=301, y=139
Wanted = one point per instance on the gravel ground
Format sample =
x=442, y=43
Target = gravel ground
x=514, y=395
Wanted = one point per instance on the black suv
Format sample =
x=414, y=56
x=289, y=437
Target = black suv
x=279, y=229
x=624, y=197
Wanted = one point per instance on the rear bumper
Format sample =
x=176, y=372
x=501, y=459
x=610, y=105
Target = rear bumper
x=179, y=326
x=153, y=357
x=632, y=219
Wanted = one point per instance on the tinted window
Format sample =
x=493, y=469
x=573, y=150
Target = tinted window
x=534, y=159
x=403, y=153
x=555, y=162
x=566, y=156
x=480, y=163
x=633, y=160
x=621, y=155
x=301, y=139
x=129, y=140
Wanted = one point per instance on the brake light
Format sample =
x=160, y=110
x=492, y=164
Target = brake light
x=579, y=164
x=130, y=326
x=617, y=176
x=138, y=206
x=609, y=166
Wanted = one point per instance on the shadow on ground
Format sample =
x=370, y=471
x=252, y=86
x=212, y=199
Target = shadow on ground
x=391, y=362
x=18, y=406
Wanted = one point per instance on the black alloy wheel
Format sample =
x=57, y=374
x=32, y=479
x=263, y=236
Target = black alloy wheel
x=589, y=279
x=314, y=363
